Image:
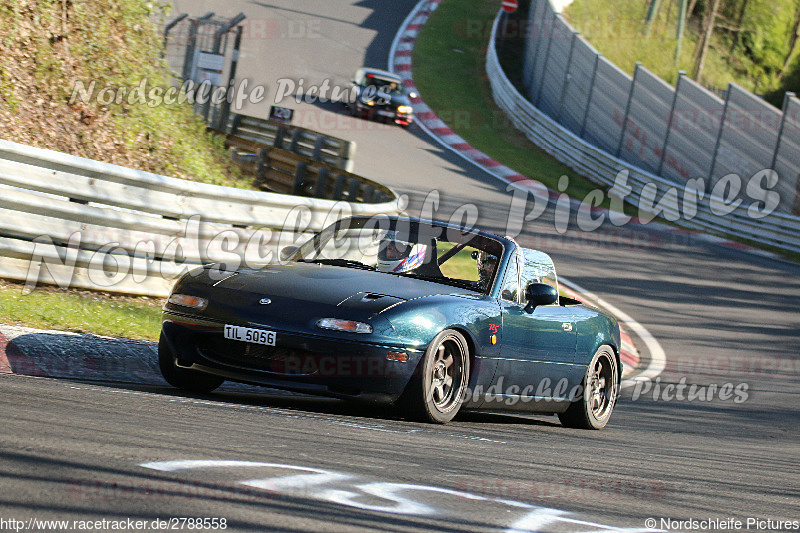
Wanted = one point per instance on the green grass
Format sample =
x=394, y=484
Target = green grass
x=461, y=265
x=81, y=311
x=449, y=65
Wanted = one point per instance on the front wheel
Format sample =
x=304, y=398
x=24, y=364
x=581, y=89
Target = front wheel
x=600, y=389
x=436, y=391
x=184, y=378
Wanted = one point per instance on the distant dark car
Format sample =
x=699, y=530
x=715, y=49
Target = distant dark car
x=379, y=94
x=426, y=315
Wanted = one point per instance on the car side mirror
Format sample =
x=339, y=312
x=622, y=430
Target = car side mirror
x=288, y=251
x=539, y=294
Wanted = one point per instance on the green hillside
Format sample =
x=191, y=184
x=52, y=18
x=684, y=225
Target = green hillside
x=49, y=46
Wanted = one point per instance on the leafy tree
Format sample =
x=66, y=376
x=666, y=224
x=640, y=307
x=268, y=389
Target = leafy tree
x=766, y=37
x=794, y=37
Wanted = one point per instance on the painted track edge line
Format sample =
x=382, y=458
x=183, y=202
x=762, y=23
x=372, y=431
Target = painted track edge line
x=658, y=358
x=657, y=355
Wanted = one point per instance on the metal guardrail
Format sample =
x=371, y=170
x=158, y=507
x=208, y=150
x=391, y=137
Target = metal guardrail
x=87, y=224
x=777, y=229
x=317, y=146
x=678, y=132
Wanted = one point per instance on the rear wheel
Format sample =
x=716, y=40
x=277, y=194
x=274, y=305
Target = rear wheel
x=600, y=389
x=436, y=392
x=184, y=378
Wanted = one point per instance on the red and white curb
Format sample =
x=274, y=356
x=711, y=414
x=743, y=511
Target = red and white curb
x=43, y=353
x=713, y=239
x=66, y=355
x=400, y=63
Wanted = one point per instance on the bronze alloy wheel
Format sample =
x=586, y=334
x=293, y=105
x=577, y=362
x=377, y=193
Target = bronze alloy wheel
x=435, y=394
x=593, y=408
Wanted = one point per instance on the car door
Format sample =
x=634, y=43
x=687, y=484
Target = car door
x=538, y=347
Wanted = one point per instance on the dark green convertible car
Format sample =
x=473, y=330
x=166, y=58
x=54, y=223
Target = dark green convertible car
x=430, y=316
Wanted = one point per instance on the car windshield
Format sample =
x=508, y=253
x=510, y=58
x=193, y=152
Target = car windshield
x=386, y=84
x=403, y=247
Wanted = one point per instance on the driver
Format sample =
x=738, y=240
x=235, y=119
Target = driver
x=398, y=256
x=486, y=264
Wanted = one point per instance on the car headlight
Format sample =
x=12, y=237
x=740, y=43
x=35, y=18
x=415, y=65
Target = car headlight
x=405, y=109
x=186, y=300
x=370, y=102
x=344, y=325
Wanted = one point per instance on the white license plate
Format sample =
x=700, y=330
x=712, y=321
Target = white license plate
x=386, y=113
x=256, y=336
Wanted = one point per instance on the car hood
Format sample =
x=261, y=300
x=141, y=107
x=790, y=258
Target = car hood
x=398, y=100
x=301, y=293
x=393, y=100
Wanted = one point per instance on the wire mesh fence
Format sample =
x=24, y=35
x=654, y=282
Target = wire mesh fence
x=202, y=50
x=679, y=133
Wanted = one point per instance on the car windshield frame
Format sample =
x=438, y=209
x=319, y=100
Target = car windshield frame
x=379, y=82
x=455, y=238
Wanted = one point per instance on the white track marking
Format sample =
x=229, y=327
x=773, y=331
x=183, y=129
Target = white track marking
x=172, y=466
x=658, y=358
x=536, y=520
x=347, y=489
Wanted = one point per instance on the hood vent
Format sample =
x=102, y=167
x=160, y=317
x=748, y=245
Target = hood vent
x=370, y=301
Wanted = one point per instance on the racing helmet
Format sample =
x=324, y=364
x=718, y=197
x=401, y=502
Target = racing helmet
x=395, y=255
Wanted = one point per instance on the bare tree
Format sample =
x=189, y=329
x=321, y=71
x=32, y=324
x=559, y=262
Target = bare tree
x=738, y=33
x=700, y=52
x=692, y=4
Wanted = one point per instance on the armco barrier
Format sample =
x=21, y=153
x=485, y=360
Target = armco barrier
x=776, y=229
x=87, y=224
x=317, y=146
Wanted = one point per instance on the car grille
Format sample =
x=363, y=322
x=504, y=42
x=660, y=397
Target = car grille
x=273, y=359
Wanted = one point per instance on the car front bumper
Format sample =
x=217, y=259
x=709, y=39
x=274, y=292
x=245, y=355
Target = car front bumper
x=300, y=361
x=376, y=112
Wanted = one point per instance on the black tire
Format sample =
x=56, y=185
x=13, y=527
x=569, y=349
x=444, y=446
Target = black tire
x=183, y=378
x=437, y=389
x=600, y=388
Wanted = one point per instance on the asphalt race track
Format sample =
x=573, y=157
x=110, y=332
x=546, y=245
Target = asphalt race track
x=108, y=449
